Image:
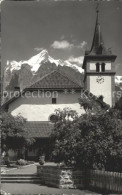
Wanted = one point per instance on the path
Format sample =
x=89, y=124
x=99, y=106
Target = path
x=15, y=189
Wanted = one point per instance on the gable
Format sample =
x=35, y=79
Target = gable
x=51, y=81
x=55, y=80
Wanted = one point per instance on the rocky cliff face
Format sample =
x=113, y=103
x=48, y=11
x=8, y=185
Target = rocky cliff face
x=24, y=73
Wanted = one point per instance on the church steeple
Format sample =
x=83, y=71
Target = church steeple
x=97, y=44
x=98, y=47
x=99, y=68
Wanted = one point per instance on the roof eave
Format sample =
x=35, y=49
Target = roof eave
x=95, y=57
x=52, y=89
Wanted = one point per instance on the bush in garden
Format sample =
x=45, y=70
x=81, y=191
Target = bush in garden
x=90, y=141
x=41, y=160
x=14, y=134
x=21, y=162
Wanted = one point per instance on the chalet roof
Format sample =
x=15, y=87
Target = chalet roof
x=55, y=80
x=39, y=129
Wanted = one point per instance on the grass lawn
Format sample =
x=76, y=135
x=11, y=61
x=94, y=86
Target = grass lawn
x=29, y=169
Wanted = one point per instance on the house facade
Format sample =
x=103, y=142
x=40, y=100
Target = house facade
x=53, y=91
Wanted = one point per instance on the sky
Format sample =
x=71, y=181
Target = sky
x=64, y=28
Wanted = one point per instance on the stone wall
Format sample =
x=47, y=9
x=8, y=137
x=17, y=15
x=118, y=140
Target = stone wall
x=59, y=177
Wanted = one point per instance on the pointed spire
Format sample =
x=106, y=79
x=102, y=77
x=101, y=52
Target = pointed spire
x=98, y=47
x=97, y=11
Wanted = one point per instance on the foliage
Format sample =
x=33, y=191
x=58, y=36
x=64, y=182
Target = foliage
x=118, y=106
x=41, y=160
x=92, y=141
x=92, y=103
x=21, y=162
x=6, y=160
x=14, y=135
x=62, y=134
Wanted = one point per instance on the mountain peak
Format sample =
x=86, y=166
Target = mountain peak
x=44, y=51
x=37, y=60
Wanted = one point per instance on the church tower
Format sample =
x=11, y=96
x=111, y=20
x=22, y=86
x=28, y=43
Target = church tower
x=99, y=69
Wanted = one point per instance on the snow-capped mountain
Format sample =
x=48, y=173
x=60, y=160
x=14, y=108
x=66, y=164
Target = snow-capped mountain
x=36, y=61
x=24, y=73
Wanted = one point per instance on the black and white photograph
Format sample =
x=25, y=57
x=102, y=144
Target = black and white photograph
x=61, y=97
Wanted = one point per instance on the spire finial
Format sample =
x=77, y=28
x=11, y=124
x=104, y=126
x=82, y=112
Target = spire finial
x=97, y=8
x=97, y=11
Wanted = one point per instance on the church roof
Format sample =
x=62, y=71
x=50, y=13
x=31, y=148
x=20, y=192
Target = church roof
x=39, y=129
x=55, y=80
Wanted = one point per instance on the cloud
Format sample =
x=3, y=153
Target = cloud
x=64, y=44
x=76, y=60
x=1, y=1
x=82, y=45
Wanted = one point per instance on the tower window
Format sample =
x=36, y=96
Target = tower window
x=53, y=100
x=103, y=67
x=97, y=67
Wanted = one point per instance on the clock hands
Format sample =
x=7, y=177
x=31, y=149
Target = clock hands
x=100, y=79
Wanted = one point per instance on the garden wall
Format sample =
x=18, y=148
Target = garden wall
x=59, y=177
x=95, y=180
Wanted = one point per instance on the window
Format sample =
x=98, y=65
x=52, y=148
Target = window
x=53, y=100
x=97, y=67
x=103, y=67
x=53, y=118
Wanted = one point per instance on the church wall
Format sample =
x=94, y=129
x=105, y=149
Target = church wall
x=91, y=66
x=40, y=108
x=107, y=88
x=113, y=90
x=104, y=88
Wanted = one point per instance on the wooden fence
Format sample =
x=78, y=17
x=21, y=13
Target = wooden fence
x=104, y=181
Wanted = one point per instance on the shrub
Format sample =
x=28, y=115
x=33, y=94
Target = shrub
x=91, y=141
x=41, y=160
x=14, y=135
x=21, y=162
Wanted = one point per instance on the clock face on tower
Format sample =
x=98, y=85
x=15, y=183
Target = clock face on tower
x=100, y=79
